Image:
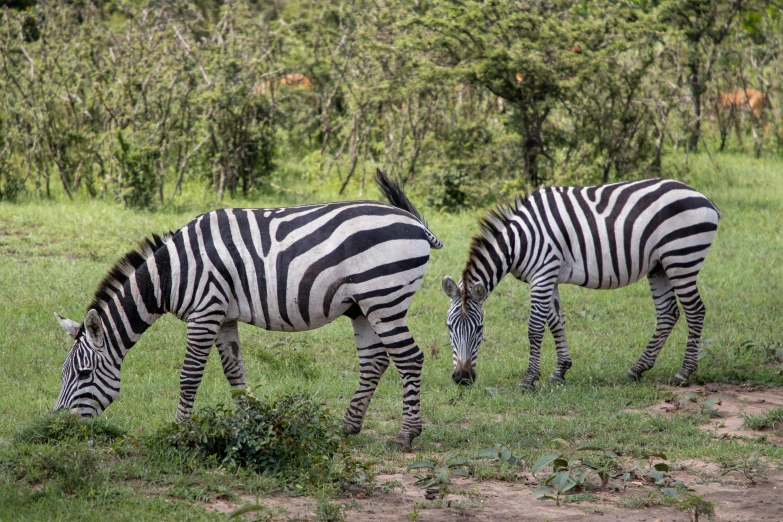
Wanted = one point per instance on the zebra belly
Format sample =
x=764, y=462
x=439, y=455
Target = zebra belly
x=574, y=273
x=278, y=324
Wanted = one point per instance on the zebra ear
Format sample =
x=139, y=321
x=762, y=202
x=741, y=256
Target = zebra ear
x=71, y=327
x=478, y=293
x=94, y=329
x=450, y=288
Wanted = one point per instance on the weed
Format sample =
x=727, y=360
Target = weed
x=751, y=468
x=636, y=501
x=570, y=471
x=262, y=513
x=766, y=352
x=696, y=505
x=771, y=419
x=502, y=453
x=438, y=472
x=329, y=512
x=579, y=497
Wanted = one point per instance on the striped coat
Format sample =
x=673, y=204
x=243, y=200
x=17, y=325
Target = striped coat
x=602, y=237
x=285, y=269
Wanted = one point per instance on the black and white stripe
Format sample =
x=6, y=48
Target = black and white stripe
x=605, y=236
x=285, y=269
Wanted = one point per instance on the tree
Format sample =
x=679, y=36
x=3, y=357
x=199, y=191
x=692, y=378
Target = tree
x=542, y=57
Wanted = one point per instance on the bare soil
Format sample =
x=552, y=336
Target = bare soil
x=732, y=402
x=512, y=501
x=736, y=499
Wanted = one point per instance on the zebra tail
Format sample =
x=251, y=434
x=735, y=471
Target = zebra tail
x=393, y=193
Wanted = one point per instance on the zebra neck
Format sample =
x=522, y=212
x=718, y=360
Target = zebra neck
x=131, y=306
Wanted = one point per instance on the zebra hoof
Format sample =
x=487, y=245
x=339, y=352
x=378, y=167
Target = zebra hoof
x=681, y=381
x=403, y=442
x=556, y=379
x=526, y=386
x=351, y=430
x=635, y=377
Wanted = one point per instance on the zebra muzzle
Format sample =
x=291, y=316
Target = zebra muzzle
x=464, y=374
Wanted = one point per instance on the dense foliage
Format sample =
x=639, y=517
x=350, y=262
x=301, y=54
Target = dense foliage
x=292, y=432
x=466, y=100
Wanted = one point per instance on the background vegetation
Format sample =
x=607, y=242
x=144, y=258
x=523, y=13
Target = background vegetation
x=469, y=101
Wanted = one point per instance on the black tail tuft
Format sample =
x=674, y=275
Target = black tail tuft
x=393, y=193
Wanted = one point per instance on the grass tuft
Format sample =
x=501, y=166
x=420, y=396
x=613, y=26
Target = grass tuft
x=769, y=420
x=60, y=427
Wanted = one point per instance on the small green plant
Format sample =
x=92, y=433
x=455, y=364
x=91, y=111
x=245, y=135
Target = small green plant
x=696, y=505
x=502, y=453
x=751, y=468
x=646, y=469
x=262, y=513
x=706, y=404
x=771, y=419
x=768, y=352
x=637, y=501
x=571, y=471
x=329, y=512
x=438, y=473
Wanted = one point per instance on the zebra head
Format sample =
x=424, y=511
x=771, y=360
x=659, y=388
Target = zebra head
x=465, y=321
x=90, y=381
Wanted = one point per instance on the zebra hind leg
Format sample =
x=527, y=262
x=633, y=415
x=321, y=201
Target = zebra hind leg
x=667, y=314
x=202, y=334
x=408, y=359
x=373, y=361
x=227, y=343
x=695, y=311
x=557, y=327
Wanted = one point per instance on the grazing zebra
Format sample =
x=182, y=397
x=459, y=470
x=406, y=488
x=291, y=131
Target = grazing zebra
x=285, y=269
x=605, y=236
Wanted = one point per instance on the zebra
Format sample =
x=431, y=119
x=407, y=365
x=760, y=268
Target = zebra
x=284, y=269
x=604, y=236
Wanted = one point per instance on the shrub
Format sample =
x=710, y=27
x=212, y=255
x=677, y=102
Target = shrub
x=264, y=434
x=61, y=427
x=139, y=182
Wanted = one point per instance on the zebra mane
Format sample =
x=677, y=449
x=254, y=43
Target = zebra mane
x=126, y=265
x=490, y=225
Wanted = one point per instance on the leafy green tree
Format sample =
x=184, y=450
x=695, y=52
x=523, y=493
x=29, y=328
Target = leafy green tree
x=543, y=58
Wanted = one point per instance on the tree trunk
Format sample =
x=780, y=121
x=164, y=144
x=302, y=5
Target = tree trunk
x=696, y=91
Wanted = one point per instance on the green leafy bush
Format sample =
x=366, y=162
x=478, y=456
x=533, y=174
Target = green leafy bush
x=283, y=433
x=61, y=427
x=139, y=182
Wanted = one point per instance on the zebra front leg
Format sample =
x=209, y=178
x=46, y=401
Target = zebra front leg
x=557, y=327
x=667, y=314
x=201, y=336
x=373, y=361
x=540, y=297
x=695, y=311
x=227, y=343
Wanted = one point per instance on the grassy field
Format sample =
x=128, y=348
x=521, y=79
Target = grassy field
x=54, y=253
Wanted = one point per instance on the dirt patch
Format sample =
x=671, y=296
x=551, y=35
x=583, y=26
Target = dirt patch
x=513, y=501
x=731, y=402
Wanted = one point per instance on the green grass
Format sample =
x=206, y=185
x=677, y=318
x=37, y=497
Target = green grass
x=54, y=253
x=769, y=420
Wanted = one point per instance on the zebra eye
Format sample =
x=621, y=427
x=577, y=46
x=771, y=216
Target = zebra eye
x=85, y=373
